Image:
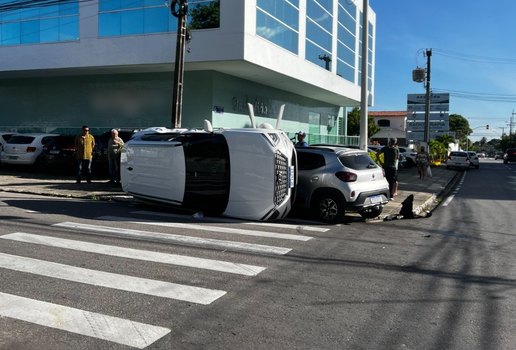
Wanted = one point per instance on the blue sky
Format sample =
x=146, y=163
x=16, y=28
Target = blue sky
x=473, y=51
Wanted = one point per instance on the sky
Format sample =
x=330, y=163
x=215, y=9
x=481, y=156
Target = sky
x=473, y=57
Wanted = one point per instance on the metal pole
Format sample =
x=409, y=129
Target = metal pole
x=364, y=137
x=179, y=8
x=427, y=97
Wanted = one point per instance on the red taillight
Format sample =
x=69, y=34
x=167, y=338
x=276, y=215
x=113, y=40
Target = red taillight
x=31, y=149
x=346, y=176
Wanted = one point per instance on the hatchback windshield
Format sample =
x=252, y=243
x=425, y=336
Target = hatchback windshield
x=21, y=139
x=357, y=161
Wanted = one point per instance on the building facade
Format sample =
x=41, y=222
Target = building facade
x=109, y=63
x=392, y=125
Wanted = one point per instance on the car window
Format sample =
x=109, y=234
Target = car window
x=357, y=161
x=458, y=154
x=309, y=161
x=21, y=139
x=46, y=139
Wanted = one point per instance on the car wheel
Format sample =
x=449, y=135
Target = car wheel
x=328, y=208
x=371, y=213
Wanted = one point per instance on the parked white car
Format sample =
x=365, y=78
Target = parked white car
x=409, y=154
x=473, y=159
x=458, y=159
x=243, y=173
x=24, y=148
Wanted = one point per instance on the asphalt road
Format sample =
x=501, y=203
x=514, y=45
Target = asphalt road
x=444, y=282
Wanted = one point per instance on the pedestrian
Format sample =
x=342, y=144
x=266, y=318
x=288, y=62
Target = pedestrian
x=114, y=150
x=301, y=139
x=422, y=162
x=84, y=145
x=391, y=155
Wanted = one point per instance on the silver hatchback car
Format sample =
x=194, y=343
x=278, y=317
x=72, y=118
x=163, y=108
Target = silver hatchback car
x=334, y=179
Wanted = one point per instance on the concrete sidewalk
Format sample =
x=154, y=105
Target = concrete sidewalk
x=426, y=192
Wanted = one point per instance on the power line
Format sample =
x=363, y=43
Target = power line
x=474, y=58
x=479, y=96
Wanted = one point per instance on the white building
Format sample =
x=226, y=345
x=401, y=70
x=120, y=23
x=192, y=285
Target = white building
x=109, y=63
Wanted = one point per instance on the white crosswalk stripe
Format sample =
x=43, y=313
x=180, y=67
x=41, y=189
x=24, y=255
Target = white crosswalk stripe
x=173, y=259
x=114, y=329
x=177, y=239
x=299, y=228
x=110, y=280
x=209, y=228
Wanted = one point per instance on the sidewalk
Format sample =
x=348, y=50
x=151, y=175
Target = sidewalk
x=426, y=192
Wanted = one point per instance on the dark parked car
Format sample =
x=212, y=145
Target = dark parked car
x=58, y=153
x=509, y=156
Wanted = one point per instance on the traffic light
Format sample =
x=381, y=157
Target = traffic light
x=487, y=126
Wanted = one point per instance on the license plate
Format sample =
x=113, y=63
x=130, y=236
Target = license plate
x=54, y=152
x=291, y=173
x=13, y=157
x=375, y=199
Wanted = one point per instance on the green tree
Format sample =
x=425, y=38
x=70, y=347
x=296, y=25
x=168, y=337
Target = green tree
x=437, y=150
x=460, y=126
x=354, y=123
x=205, y=16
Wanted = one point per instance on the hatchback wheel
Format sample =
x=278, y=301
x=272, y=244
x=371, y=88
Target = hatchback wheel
x=329, y=208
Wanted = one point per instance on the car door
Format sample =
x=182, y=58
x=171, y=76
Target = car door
x=310, y=171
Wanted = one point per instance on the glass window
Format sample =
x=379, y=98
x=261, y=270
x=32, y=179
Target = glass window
x=154, y=21
x=131, y=22
x=326, y=4
x=276, y=32
x=345, y=54
x=29, y=32
x=346, y=37
x=109, y=5
x=53, y=22
x=316, y=54
x=319, y=15
x=346, y=71
x=109, y=24
x=281, y=10
x=317, y=35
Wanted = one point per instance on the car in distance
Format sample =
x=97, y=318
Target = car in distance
x=509, y=156
x=334, y=179
x=247, y=173
x=499, y=155
x=410, y=156
x=473, y=159
x=25, y=148
x=458, y=159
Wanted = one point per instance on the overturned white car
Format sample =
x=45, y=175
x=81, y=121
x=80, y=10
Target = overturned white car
x=243, y=173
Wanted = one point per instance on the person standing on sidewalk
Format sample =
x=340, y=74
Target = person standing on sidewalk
x=422, y=163
x=114, y=149
x=391, y=155
x=84, y=144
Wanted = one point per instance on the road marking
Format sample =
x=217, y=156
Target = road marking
x=208, y=228
x=91, y=324
x=177, y=239
x=457, y=189
x=448, y=200
x=110, y=280
x=226, y=220
x=137, y=254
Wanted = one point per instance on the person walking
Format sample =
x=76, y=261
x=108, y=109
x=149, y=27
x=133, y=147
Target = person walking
x=422, y=159
x=84, y=145
x=301, y=139
x=391, y=155
x=114, y=150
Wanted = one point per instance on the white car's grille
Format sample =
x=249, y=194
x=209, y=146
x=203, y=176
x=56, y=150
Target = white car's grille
x=281, y=178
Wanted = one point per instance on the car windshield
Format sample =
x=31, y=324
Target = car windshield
x=357, y=161
x=21, y=139
x=458, y=154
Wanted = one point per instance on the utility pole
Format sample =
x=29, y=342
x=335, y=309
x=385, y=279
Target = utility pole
x=179, y=9
x=364, y=137
x=427, y=97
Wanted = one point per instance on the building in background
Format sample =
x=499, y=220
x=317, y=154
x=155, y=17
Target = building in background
x=392, y=125
x=110, y=63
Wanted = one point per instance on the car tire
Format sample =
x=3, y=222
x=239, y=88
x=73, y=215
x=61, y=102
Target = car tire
x=328, y=208
x=371, y=213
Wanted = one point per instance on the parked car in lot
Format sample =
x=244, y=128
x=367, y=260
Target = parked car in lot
x=458, y=159
x=25, y=148
x=58, y=153
x=509, y=156
x=473, y=159
x=498, y=155
x=243, y=173
x=334, y=179
x=409, y=155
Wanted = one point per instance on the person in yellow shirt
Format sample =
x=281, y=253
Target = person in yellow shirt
x=84, y=145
